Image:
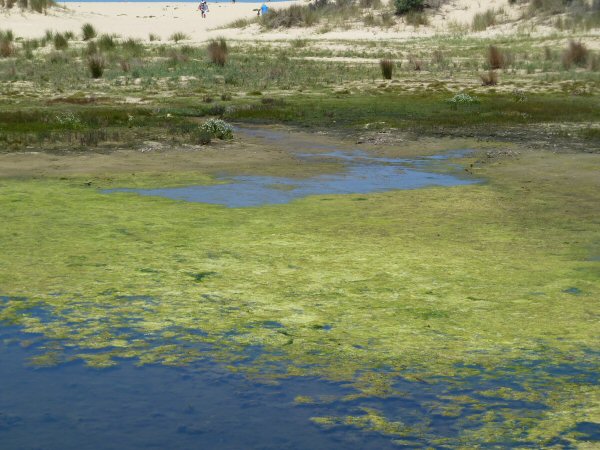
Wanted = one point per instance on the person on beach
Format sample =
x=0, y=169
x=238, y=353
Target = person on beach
x=264, y=9
x=203, y=7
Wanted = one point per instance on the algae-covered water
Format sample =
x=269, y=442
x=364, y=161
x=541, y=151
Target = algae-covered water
x=462, y=314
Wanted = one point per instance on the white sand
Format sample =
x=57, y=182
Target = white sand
x=138, y=20
x=135, y=19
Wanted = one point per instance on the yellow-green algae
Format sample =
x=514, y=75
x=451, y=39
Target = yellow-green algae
x=418, y=283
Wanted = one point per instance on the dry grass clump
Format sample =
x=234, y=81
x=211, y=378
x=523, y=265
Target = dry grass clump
x=576, y=54
x=489, y=79
x=7, y=49
x=96, y=65
x=387, y=68
x=496, y=58
x=217, y=52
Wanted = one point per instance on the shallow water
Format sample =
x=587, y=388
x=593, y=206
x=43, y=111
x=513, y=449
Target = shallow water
x=363, y=174
x=204, y=405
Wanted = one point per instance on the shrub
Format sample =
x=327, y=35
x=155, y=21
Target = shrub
x=405, y=6
x=88, y=31
x=96, y=65
x=179, y=36
x=387, y=68
x=495, y=58
x=217, y=128
x=226, y=96
x=153, y=37
x=575, y=54
x=60, y=42
x=489, y=79
x=217, y=52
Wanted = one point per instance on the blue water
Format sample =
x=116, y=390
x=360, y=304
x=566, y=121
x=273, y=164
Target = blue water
x=204, y=405
x=363, y=174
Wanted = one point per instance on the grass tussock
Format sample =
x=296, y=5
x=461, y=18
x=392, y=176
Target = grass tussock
x=88, y=31
x=60, y=41
x=96, y=65
x=107, y=42
x=218, y=51
x=387, y=68
x=179, y=36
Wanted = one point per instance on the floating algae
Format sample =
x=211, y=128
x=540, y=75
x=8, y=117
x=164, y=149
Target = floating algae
x=428, y=287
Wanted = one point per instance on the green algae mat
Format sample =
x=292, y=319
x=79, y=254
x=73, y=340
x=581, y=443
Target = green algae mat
x=491, y=290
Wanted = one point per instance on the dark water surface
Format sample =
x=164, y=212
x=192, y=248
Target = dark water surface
x=363, y=174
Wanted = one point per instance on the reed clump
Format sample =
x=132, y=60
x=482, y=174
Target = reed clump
x=387, y=68
x=218, y=51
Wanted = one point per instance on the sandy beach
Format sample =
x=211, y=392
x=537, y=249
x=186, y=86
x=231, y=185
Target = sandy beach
x=139, y=19
x=136, y=20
